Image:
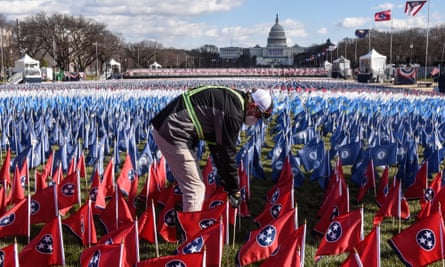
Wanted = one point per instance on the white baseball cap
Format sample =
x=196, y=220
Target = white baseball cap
x=263, y=100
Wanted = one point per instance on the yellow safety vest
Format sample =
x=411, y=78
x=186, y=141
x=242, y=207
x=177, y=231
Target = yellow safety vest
x=191, y=111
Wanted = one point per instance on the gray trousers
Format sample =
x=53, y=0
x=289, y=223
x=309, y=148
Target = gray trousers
x=184, y=165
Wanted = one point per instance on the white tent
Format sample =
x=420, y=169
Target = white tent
x=373, y=66
x=341, y=67
x=327, y=65
x=155, y=65
x=112, y=69
x=114, y=63
x=26, y=63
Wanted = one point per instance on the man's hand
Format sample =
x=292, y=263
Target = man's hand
x=235, y=199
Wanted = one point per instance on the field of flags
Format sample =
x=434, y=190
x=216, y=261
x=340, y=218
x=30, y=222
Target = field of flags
x=79, y=156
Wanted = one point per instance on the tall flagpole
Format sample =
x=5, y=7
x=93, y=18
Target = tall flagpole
x=427, y=33
x=369, y=40
x=390, y=45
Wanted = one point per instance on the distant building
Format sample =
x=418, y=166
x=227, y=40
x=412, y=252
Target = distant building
x=230, y=52
x=276, y=53
x=212, y=49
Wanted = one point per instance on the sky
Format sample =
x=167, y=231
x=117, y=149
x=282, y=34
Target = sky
x=190, y=24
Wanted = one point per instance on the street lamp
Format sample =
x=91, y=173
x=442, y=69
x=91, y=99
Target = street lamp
x=97, y=63
x=411, y=52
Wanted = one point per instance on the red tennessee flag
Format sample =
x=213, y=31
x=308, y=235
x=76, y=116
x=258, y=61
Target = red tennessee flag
x=101, y=202
x=415, y=190
x=102, y=255
x=161, y=172
x=81, y=224
x=108, y=179
x=194, y=222
x=46, y=248
x=96, y=194
x=429, y=195
x=147, y=225
x=422, y=243
x=383, y=15
x=68, y=192
x=132, y=196
x=47, y=169
x=127, y=176
x=116, y=213
x=336, y=179
x=285, y=178
x=338, y=208
x=368, y=181
x=57, y=174
x=291, y=251
x=128, y=235
x=438, y=201
x=155, y=182
x=395, y=205
x=336, y=189
x=343, y=234
x=9, y=256
x=264, y=241
x=15, y=220
x=19, y=181
x=219, y=197
x=40, y=181
x=150, y=189
x=187, y=260
x=212, y=239
x=383, y=190
x=81, y=166
x=368, y=251
x=172, y=191
x=168, y=217
x=42, y=177
x=281, y=202
x=43, y=205
x=71, y=166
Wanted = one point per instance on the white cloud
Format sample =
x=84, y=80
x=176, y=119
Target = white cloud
x=322, y=31
x=293, y=28
x=384, y=6
x=166, y=21
x=353, y=22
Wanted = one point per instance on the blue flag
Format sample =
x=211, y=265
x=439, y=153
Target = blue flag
x=312, y=154
x=384, y=154
x=349, y=152
x=361, y=33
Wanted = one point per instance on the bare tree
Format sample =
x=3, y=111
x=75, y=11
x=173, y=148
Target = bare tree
x=69, y=41
x=6, y=45
x=143, y=53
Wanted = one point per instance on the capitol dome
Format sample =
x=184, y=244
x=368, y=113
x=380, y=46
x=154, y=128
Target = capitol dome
x=277, y=36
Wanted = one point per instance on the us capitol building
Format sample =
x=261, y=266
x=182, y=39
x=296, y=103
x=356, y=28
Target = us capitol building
x=276, y=53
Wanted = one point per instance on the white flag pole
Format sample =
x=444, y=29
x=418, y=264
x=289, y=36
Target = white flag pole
x=427, y=39
x=155, y=228
x=62, y=247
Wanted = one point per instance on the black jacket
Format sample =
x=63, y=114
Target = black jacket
x=221, y=115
